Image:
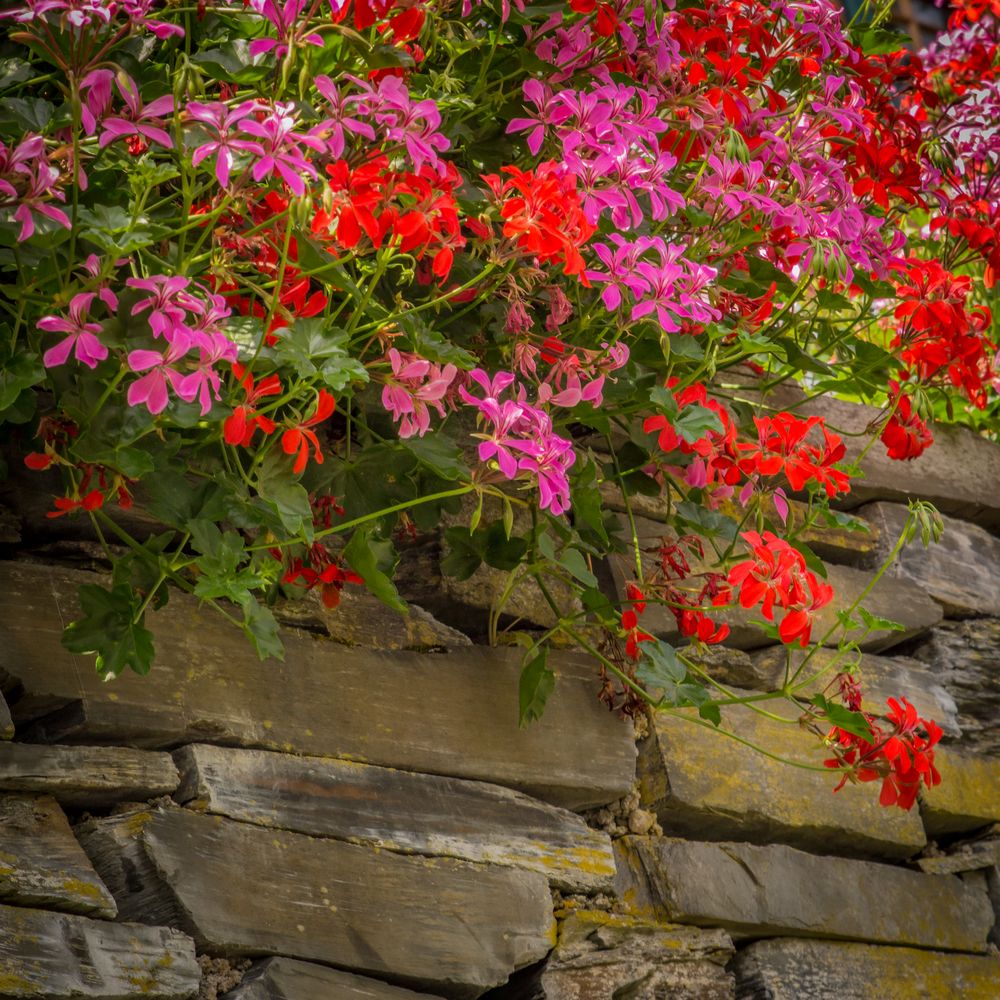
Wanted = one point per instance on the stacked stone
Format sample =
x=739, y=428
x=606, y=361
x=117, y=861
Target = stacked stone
x=366, y=819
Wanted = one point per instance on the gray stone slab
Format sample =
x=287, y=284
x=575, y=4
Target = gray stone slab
x=41, y=864
x=398, y=810
x=614, y=955
x=776, y=890
x=290, y=979
x=965, y=658
x=454, y=714
x=83, y=777
x=880, y=677
x=703, y=784
x=435, y=924
x=969, y=857
x=961, y=571
x=791, y=969
x=55, y=956
x=967, y=798
x=361, y=619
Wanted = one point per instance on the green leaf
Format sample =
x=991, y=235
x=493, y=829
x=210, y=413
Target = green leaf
x=17, y=373
x=813, y=561
x=851, y=722
x=31, y=113
x=573, y=562
x=281, y=493
x=175, y=500
x=261, y=629
x=463, y=557
x=232, y=62
x=311, y=348
x=874, y=623
x=439, y=453
x=368, y=558
x=660, y=669
x=709, y=523
x=536, y=684
x=109, y=631
x=881, y=41
x=695, y=421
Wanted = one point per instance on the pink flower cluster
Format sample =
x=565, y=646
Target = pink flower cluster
x=29, y=185
x=415, y=387
x=520, y=438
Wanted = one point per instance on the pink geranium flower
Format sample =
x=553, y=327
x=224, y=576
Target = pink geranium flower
x=82, y=339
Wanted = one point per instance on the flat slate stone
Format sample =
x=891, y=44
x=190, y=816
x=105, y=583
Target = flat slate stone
x=961, y=571
x=893, y=599
x=972, y=856
x=435, y=924
x=603, y=955
x=702, y=784
x=398, y=810
x=41, y=864
x=453, y=714
x=776, y=890
x=881, y=677
x=793, y=969
x=55, y=956
x=86, y=777
x=361, y=619
x=968, y=796
x=965, y=658
x=289, y=979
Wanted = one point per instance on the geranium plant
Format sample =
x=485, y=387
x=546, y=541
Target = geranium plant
x=299, y=276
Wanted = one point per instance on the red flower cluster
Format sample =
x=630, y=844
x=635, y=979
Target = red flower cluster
x=298, y=439
x=541, y=210
x=777, y=575
x=940, y=340
x=320, y=569
x=630, y=622
x=240, y=426
x=905, y=435
x=902, y=757
x=781, y=449
x=249, y=241
x=373, y=201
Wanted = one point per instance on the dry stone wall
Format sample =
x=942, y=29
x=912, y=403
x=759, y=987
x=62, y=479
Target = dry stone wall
x=366, y=819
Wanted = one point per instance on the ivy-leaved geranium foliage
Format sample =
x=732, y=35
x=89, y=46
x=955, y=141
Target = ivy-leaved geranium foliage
x=304, y=276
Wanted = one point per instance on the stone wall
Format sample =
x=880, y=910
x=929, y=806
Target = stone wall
x=366, y=819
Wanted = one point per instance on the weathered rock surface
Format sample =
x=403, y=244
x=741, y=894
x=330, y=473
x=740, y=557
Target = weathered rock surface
x=426, y=923
x=893, y=599
x=881, y=677
x=609, y=955
x=208, y=686
x=965, y=658
x=54, y=956
x=86, y=777
x=701, y=784
x=6, y=721
x=791, y=969
x=289, y=979
x=361, y=619
x=41, y=864
x=777, y=890
x=961, y=571
x=398, y=810
x=971, y=856
x=968, y=796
